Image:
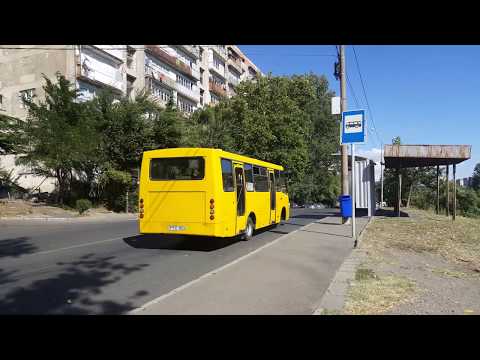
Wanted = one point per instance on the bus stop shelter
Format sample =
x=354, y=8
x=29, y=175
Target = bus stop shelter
x=406, y=156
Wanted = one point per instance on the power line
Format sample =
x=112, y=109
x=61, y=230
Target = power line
x=353, y=91
x=365, y=94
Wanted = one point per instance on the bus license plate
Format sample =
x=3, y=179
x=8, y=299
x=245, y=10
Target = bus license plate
x=176, y=228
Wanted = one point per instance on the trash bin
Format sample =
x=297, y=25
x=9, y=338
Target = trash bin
x=345, y=205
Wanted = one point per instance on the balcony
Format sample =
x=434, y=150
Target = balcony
x=233, y=80
x=192, y=50
x=114, y=80
x=217, y=89
x=235, y=63
x=220, y=71
x=159, y=77
x=173, y=61
x=116, y=51
x=188, y=93
x=221, y=51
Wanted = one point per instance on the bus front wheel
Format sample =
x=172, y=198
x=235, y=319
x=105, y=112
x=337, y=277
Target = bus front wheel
x=249, y=229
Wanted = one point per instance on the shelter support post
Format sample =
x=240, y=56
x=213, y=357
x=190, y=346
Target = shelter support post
x=438, y=191
x=448, y=193
x=454, y=210
x=399, y=196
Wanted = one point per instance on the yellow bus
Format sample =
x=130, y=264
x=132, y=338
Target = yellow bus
x=209, y=192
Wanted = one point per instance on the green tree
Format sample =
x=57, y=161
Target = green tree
x=11, y=135
x=476, y=177
x=283, y=120
x=60, y=135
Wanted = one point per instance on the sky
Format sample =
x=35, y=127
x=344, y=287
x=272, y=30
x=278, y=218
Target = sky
x=424, y=94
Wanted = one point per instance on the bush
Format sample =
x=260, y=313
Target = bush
x=114, y=186
x=83, y=205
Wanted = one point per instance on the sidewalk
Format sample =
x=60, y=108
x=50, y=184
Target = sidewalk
x=287, y=276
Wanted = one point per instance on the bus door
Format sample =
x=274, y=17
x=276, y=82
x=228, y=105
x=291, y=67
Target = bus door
x=241, y=220
x=273, y=197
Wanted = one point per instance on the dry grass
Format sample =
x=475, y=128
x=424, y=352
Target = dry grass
x=456, y=241
x=370, y=294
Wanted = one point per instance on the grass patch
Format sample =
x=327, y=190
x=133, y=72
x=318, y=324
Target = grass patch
x=453, y=273
x=422, y=231
x=371, y=294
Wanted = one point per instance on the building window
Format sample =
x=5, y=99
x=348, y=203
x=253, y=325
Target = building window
x=1, y=102
x=185, y=105
x=217, y=81
x=184, y=82
x=201, y=76
x=184, y=58
x=162, y=93
x=26, y=95
x=214, y=99
x=218, y=64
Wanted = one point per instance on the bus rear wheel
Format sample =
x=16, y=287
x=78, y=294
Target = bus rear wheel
x=250, y=228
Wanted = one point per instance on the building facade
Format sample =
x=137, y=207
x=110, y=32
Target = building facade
x=188, y=76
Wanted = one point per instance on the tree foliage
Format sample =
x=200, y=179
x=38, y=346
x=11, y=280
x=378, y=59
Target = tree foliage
x=284, y=120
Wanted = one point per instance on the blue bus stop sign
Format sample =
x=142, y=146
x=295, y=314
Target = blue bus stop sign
x=353, y=127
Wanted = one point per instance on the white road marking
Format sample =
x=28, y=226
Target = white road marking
x=77, y=246
x=213, y=272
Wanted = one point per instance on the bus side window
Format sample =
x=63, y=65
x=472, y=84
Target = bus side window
x=248, y=177
x=227, y=175
x=260, y=177
x=281, y=185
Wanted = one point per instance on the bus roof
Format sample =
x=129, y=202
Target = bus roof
x=176, y=152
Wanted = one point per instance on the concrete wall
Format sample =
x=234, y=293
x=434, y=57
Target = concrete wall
x=22, y=70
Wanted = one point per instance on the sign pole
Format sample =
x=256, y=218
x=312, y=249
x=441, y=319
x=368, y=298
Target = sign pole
x=354, y=232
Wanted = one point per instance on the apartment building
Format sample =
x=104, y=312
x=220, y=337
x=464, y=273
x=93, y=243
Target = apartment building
x=189, y=76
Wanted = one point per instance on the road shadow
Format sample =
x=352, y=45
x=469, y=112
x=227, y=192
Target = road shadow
x=179, y=242
x=390, y=213
x=16, y=247
x=72, y=291
x=6, y=277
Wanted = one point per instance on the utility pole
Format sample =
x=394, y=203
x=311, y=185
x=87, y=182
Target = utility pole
x=343, y=107
x=381, y=179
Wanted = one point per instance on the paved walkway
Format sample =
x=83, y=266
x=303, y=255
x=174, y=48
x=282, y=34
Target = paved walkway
x=287, y=276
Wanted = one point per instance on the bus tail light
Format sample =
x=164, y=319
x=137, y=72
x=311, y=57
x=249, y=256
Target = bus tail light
x=212, y=211
x=212, y=217
x=141, y=215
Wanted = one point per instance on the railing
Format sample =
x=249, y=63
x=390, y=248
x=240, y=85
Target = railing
x=188, y=93
x=169, y=59
x=116, y=51
x=99, y=78
x=217, y=89
x=191, y=49
x=233, y=80
x=220, y=71
x=236, y=64
x=158, y=76
x=221, y=51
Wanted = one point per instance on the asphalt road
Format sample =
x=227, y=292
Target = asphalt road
x=106, y=267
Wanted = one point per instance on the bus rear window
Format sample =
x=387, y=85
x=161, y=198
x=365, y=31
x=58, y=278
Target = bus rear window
x=181, y=168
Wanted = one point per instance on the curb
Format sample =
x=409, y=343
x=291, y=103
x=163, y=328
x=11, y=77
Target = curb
x=334, y=297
